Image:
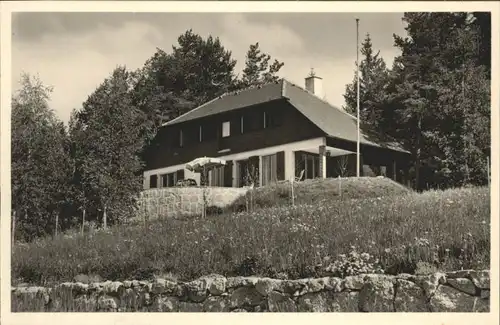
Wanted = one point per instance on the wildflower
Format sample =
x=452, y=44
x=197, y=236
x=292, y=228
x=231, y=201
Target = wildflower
x=387, y=250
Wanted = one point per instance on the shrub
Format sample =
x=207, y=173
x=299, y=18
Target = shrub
x=354, y=263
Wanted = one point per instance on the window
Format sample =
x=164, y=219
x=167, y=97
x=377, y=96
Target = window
x=226, y=126
x=217, y=176
x=171, y=179
x=180, y=174
x=200, y=135
x=164, y=180
x=241, y=123
x=168, y=180
x=181, y=140
x=153, y=181
x=269, y=169
x=309, y=163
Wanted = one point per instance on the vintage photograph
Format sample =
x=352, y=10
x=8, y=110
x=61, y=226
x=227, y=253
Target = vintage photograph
x=251, y=162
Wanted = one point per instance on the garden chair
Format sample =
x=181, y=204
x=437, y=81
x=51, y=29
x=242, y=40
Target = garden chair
x=301, y=175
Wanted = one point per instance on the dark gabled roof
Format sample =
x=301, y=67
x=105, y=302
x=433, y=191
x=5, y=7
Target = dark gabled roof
x=232, y=101
x=334, y=121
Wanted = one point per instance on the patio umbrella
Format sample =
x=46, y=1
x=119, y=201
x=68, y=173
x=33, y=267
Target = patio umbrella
x=202, y=165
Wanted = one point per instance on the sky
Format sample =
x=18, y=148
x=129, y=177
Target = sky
x=75, y=52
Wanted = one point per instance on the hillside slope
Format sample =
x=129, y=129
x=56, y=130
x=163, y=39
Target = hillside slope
x=319, y=190
x=447, y=230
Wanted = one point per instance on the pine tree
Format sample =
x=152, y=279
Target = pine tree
x=257, y=69
x=430, y=90
x=373, y=80
x=199, y=69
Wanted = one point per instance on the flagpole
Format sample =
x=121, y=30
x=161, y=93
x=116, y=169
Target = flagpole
x=357, y=98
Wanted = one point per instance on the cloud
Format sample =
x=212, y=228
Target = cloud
x=75, y=52
x=76, y=65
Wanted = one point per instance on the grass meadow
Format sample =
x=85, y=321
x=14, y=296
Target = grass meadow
x=386, y=231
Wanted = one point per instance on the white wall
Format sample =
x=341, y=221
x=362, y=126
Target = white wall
x=288, y=148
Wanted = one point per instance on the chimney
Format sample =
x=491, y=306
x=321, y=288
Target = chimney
x=314, y=84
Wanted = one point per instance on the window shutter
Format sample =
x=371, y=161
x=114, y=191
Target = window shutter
x=180, y=174
x=280, y=165
x=228, y=174
x=153, y=181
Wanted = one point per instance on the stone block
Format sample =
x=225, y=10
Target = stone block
x=245, y=296
x=377, y=294
x=85, y=303
x=354, y=282
x=216, y=304
x=197, y=290
x=328, y=301
x=345, y=302
x=464, y=285
x=189, y=307
x=107, y=304
x=409, y=297
x=165, y=304
x=161, y=286
x=279, y=303
x=448, y=299
x=265, y=285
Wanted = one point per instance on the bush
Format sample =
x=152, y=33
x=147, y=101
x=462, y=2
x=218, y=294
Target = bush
x=447, y=229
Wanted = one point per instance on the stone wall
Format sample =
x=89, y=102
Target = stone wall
x=174, y=201
x=461, y=291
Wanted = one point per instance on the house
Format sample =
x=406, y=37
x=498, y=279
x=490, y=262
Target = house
x=276, y=130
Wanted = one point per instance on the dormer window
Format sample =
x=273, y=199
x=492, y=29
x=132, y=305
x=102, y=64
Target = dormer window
x=226, y=127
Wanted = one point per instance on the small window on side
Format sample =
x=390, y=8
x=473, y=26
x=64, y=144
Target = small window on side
x=226, y=126
x=153, y=181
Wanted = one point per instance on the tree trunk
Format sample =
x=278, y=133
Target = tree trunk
x=488, y=170
x=83, y=222
x=13, y=235
x=57, y=223
x=104, y=219
x=467, y=173
x=417, y=158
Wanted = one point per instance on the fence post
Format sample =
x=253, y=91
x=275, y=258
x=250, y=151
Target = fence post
x=57, y=222
x=293, y=194
x=13, y=229
x=488, y=170
x=83, y=222
x=105, y=218
x=340, y=187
